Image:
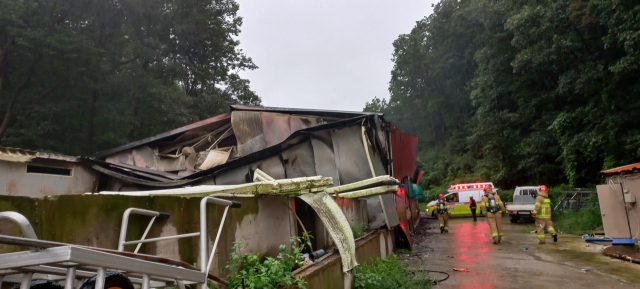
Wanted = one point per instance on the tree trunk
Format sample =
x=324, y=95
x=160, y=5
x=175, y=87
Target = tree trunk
x=7, y=115
x=92, y=116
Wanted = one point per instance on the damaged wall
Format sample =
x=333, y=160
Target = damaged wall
x=262, y=224
x=46, y=177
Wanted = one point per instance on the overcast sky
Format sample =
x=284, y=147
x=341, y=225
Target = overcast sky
x=329, y=54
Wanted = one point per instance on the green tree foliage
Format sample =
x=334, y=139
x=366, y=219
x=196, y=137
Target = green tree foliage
x=77, y=76
x=520, y=92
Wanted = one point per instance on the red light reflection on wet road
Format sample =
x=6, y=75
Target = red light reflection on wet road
x=473, y=246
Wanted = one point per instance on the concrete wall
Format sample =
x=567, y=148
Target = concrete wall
x=262, y=224
x=15, y=181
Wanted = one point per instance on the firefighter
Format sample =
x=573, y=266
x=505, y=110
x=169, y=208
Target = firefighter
x=493, y=208
x=542, y=214
x=442, y=210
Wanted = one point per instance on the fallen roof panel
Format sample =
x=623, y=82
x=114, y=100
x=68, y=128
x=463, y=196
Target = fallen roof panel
x=218, y=118
x=305, y=111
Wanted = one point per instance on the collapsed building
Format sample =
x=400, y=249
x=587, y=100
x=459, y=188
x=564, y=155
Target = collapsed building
x=289, y=168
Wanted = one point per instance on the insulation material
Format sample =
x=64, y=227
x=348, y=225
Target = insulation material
x=336, y=223
x=324, y=157
x=299, y=161
x=246, y=125
x=614, y=216
x=215, y=157
x=350, y=157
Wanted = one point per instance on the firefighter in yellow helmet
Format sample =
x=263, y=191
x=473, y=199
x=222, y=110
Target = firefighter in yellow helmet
x=542, y=213
x=493, y=208
x=442, y=210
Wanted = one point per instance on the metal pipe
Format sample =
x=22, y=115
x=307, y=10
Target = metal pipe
x=144, y=235
x=23, y=222
x=180, y=284
x=161, y=238
x=203, y=237
x=100, y=278
x=125, y=223
x=145, y=281
x=26, y=280
x=215, y=243
x=69, y=282
x=203, y=230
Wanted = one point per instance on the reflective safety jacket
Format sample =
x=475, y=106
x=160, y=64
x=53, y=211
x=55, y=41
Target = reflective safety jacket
x=543, y=207
x=484, y=205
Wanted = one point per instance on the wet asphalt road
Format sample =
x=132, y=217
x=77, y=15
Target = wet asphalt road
x=518, y=262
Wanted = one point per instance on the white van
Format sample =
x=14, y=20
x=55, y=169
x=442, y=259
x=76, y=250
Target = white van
x=458, y=197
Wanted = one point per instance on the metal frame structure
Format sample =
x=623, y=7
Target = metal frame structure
x=59, y=261
x=574, y=202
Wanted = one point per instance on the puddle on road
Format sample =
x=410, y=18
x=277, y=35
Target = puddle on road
x=572, y=249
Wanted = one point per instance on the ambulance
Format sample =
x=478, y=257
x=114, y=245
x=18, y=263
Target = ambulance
x=458, y=197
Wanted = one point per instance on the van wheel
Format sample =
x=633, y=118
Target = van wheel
x=513, y=220
x=112, y=280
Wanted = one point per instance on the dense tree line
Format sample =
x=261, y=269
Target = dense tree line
x=77, y=76
x=520, y=91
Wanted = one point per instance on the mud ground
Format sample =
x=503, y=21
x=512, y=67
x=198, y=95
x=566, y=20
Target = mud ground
x=517, y=262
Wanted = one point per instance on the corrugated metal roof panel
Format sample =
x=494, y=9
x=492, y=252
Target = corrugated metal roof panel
x=23, y=155
x=623, y=169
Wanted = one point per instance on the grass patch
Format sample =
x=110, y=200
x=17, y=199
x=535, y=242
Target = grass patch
x=359, y=230
x=587, y=219
x=390, y=273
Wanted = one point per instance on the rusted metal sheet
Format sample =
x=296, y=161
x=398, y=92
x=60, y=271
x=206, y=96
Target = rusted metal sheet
x=404, y=150
x=246, y=125
x=624, y=169
x=144, y=157
x=301, y=122
x=275, y=127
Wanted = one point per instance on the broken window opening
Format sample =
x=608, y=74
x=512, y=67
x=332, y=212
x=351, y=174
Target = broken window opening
x=33, y=169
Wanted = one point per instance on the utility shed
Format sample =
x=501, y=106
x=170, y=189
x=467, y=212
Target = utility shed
x=38, y=174
x=284, y=143
x=619, y=202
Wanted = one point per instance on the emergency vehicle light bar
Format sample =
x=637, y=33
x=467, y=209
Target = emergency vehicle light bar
x=466, y=187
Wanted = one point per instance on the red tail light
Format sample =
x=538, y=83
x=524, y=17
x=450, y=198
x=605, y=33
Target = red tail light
x=510, y=212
